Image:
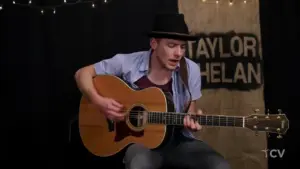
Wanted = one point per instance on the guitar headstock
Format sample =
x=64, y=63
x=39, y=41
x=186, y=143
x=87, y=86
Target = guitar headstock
x=270, y=123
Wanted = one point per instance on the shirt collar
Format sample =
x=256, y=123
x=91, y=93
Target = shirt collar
x=146, y=59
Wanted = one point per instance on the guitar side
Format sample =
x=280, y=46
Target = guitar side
x=103, y=137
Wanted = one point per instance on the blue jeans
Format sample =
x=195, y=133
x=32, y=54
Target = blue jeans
x=183, y=153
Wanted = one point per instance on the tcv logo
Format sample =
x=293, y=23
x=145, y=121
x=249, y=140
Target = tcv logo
x=274, y=153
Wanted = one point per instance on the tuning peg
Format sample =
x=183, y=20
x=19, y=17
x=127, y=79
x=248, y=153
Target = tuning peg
x=256, y=110
x=279, y=111
x=279, y=136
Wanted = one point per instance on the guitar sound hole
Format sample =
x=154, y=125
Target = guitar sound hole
x=137, y=116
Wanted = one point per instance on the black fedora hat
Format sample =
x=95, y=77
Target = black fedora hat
x=172, y=26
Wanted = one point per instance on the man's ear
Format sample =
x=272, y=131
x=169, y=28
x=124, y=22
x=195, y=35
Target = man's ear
x=154, y=43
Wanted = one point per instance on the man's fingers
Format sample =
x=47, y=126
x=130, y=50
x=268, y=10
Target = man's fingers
x=199, y=112
x=115, y=114
x=110, y=117
x=119, y=118
x=115, y=103
x=193, y=126
x=114, y=118
x=112, y=107
x=188, y=121
x=198, y=127
x=185, y=121
x=191, y=123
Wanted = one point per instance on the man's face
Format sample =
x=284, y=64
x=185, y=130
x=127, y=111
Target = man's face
x=169, y=52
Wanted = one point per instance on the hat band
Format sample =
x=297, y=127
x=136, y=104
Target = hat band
x=173, y=33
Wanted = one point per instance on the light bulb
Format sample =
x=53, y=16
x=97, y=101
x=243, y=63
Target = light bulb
x=93, y=5
x=105, y=1
x=29, y=2
x=217, y=1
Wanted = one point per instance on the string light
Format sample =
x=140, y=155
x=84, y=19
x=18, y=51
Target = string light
x=53, y=8
x=229, y=2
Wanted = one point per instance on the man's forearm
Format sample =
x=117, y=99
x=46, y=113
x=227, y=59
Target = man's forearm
x=84, y=80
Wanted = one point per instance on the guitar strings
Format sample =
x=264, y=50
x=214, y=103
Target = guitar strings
x=171, y=116
x=201, y=120
x=175, y=113
x=237, y=122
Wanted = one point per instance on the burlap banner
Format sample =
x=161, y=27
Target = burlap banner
x=229, y=54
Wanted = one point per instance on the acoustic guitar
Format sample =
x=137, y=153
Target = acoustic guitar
x=150, y=119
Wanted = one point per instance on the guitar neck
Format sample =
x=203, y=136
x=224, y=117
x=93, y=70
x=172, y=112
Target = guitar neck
x=205, y=120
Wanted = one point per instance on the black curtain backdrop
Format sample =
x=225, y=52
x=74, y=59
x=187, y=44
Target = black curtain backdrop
x=279, y=31
x=40, y=54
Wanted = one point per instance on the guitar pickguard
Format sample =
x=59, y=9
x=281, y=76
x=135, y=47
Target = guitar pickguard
x=123, y=131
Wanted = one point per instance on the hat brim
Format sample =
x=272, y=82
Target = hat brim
x=176, y=36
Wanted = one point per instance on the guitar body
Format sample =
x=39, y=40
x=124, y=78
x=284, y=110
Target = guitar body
x=103, y=137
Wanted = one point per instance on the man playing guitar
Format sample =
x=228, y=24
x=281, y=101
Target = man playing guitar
x=158, y=67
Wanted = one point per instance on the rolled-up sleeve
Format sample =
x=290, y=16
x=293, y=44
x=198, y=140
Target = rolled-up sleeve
x=112, y=66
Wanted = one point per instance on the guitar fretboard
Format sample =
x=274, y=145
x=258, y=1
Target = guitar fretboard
x=209, y=120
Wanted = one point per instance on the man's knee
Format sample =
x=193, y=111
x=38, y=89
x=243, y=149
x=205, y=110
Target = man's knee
x=144, y=161
x=139, y=157
x=207, y=161
x=217, y=162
